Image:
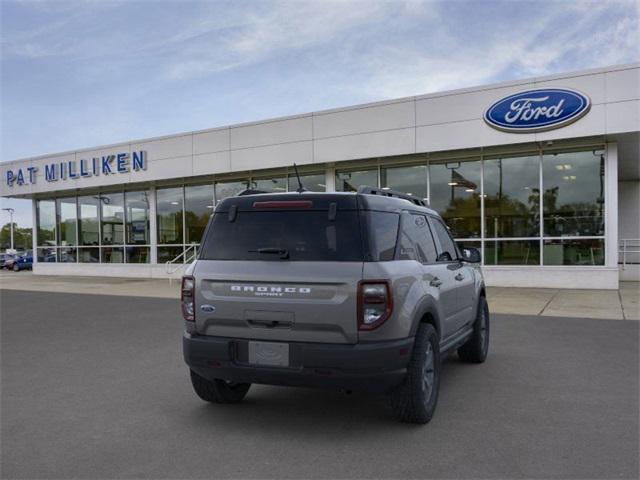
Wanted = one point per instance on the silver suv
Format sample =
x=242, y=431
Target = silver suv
x=355, y=291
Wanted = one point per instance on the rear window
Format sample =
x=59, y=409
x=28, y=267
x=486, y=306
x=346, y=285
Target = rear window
x=303, y=235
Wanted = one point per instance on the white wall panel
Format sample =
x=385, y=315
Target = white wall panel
x=367, y=119
x=209, y=163
x=592, y=85
x=271, y=133
x=378, y=144
x=552, y=277
x=166, y=147
x=623, y=85
x=469, y=134
x=623, y=116
x=593, y=123
x=166, y=169
x=272, y=156
x=456, y=108
x=212, y=141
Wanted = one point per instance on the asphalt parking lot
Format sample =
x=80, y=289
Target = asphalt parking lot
x=95, y=387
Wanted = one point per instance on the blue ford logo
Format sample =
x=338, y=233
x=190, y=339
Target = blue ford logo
x=537, y=110
x=208, y=308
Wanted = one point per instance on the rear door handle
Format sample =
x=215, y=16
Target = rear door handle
x=435, y=282
x=459, y=277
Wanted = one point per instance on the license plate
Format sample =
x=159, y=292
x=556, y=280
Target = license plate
x=269, y=353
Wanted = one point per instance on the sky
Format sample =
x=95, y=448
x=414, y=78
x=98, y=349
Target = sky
x=87, y=73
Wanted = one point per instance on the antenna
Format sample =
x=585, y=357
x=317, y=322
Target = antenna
x=300, y=188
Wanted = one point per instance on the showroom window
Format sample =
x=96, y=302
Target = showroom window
x=573, y=195
x=229, y=189
x=88, y=229
x=275, y=185
x=67, y=223
x=573, y=207
x=313, y=182
x=137, y=248
x=351, y=181
x=170, y=223
x=412, y=180
x=46, y=230
x=512, y=197
x=112, y=227
x=455, y=195
x=198, y=207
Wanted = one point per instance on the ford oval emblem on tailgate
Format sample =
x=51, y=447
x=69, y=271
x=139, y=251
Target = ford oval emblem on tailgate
x=208, y=308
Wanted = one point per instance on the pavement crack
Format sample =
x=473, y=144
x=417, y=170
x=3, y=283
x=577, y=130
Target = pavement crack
x=547, y=304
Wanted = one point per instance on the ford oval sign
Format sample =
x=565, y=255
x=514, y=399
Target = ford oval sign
x=537, y=110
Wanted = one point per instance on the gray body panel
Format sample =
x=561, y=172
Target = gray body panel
x=278, y=300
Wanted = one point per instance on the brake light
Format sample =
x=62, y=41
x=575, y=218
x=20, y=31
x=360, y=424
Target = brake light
x=284, y=204
x=375, y=303
x=187, y=300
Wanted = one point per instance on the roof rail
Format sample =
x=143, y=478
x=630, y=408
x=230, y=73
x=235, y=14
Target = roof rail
x=249, y=191
x=391, y=193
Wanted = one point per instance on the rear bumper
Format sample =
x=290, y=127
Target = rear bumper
x=370, y=367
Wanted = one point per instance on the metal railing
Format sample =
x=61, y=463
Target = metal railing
x=628, y=248
x=185, y=258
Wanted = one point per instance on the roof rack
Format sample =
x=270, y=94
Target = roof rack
x=391, y=193
x=250, y=191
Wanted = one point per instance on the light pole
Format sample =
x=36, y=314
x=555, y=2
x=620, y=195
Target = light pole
x=11, y=212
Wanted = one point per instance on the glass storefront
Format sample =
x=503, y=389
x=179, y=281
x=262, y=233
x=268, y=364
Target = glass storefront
x=67, y=214
x=518, y=226
x=493, y=203
x=275, y=185
x=351, y=181
x=198, y=207
x=137, y=218
x=455, y=195
x=413, y=179
x=512, y=197
x=311, y=182
x=573, y=195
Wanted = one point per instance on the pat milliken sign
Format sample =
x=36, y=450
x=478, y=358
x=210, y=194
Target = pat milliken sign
x=537, y=110
x=117, y=163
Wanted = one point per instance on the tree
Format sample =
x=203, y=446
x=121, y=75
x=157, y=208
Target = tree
x=21, y=237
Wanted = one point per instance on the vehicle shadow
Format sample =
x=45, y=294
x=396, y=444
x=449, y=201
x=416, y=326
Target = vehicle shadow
x=293, y=411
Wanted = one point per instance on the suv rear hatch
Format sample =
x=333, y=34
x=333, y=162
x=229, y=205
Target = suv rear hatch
x=281, y=267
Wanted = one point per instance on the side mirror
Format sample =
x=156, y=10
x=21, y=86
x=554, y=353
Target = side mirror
x=471, y=255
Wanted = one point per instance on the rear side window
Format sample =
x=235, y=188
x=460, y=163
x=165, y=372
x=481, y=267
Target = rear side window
x=304, y=235
x=447, y=245
x=382, y=234
x=416, y=242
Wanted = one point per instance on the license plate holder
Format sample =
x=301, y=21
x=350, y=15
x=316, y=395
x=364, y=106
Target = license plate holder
x=269, y=354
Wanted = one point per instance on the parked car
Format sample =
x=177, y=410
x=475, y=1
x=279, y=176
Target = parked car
x=23, y=262
x=354, y=291
x=9, y=258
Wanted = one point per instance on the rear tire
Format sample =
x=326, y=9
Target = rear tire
x=475, y=349
x=415, y=400
x=218, y=391
x=16, y=268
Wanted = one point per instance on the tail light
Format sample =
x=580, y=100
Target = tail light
x=375, y=303
x=187, y=300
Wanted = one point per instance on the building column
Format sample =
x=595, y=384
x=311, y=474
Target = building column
x=330, y=178
x=611, y=205
x=153, y=226
x=34, y=230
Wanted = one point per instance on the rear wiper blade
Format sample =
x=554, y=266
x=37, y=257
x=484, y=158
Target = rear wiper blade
x=283, y=252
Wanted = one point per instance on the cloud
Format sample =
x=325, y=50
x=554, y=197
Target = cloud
x=525, y=47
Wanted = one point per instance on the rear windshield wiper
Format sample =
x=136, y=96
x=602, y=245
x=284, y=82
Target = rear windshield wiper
x=283, y=252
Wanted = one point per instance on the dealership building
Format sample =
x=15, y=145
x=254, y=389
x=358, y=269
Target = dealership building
x=541, y=174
